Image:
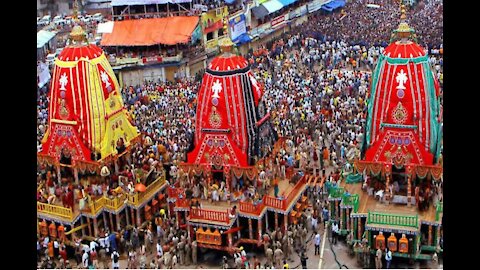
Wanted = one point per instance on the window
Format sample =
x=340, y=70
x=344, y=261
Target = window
x=210, y=36
x=220, y=32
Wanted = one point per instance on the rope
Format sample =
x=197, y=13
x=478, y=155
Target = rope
x=335, y=255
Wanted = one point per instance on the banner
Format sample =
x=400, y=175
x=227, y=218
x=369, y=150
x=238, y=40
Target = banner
x=43, y=74
x=151, y=60
x=238, y=27
x=279, y=21
x=261, y=29
x=316, y=5
x=213, y=19
x=196, y=34
x=298, y=12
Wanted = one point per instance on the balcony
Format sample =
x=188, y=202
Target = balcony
x=210, y=215
x=115, y=203
x=138, y=198
x=250, y=208
x=55, y=210
x=283, y=204
x=392, y=220
x=124, y=61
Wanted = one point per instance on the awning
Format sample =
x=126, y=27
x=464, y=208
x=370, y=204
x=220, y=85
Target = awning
x=333, y=5
x=287, y=2
x=43, y=37
x=273, y=5
x=260, y=11
x=147, y=32
x=243, y=38
x=327, y=8
x=145, y=2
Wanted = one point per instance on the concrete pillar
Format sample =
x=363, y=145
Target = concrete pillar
x=409, y=191
x=250, y=229
x=104, y=216
x=59, y=175
x=437, y=238
x=259, y=226
x=335, y=211
x=349, y=219
x=177, y=217
x=239, y=235
x=276, y=220
x=139, y=218
x=132, y=213
x=83, y=228
x=230, y=240
x=126, y=216
x=359, y=228
x=189, y=233
x=387, y=188
x=95, y=227
x=285, y=222
x=111, y=221
x=118, y=219
x=430, y=235
x=89, y=226
x=341, y=218
x=266, y=220
x=75, y=175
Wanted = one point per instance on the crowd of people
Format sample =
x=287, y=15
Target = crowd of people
x=316, y=79
x=356, y=22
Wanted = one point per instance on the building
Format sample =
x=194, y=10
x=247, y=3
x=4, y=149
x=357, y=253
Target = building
x=55, y=7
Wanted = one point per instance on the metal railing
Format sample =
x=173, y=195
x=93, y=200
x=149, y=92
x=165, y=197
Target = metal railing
x=116, y=202
x=393, y=220
x=138, y=197
x=55, y=210
x=212, y=215
x=250, y=208
x=97, y=205
x=283, y=204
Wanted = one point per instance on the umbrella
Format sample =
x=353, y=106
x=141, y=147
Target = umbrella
x=140, y=187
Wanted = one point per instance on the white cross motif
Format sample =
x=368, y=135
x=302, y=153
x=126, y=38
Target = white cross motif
x=63, y=81
x=105, y=79
x=401, y=79
x=217, y=87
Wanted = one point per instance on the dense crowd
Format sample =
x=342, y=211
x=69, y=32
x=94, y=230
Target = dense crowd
x=355, y=24
x=316, y=80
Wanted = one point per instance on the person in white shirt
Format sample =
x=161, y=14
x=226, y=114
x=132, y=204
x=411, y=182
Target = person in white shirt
x=45, y=241
x=56, y=247
x=335, y=232
x=115, y=260
x=388, y=257
x=159, y=249
x=101, y=241
x=318, y=239
x=85, y=259
x=93, y=245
